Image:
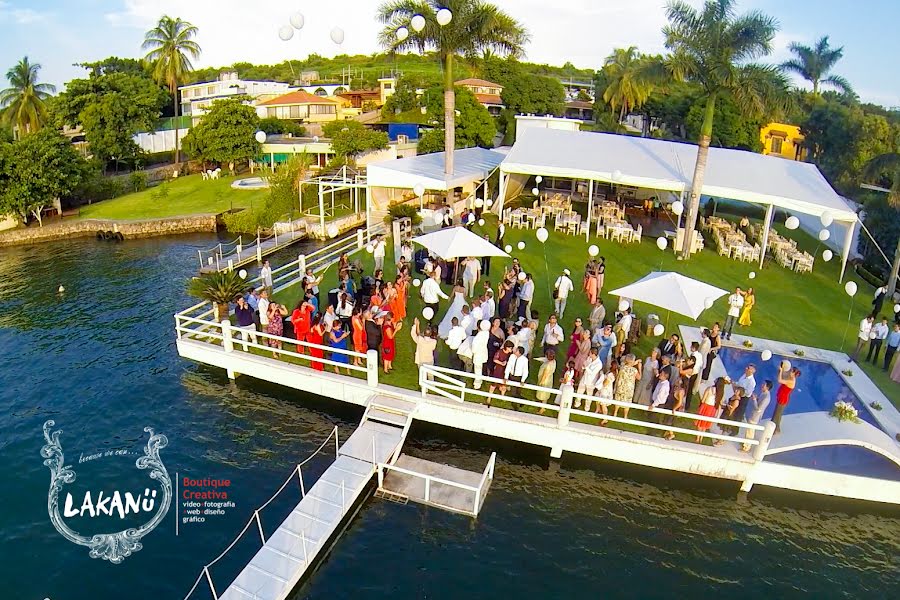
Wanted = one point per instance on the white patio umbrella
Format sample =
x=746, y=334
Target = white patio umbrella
x=458, y=242
x=673, y=292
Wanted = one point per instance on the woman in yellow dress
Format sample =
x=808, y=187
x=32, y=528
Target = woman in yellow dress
x=749, y=301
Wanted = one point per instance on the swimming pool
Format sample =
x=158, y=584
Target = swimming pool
x=250, y=183
x=817, y=389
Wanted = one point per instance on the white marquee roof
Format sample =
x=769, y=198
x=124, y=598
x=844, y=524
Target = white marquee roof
x=664, y=165
x=469, y=164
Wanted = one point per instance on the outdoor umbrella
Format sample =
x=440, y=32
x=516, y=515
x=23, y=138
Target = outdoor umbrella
x=673, y=292
x=458, y=242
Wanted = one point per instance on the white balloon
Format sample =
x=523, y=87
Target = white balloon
x=484, y=325
x=424, y=110
x=261, y=137
x=315, y=139
x=437, y=218
x=428, y=313
x=659, y=329
x=708, y=303
x=297, y=20
x=539, y=179
x=402, y=34
x=333, y=230
x=479, y=203
x=785, y=365
x=766, y=355
x=535, y=191
x=242, y=274
x=481, y=222
x=792, y=222
x=827, y=219
x=851, y=288
x=285, y=32
x=678, y=207
x=593, y=250
x=419, y=190
x=522, y=276
x=752, y=275
x=370, y=248
x=616, y=175
x=520, y=245
x=417, y=22
x=897, y=308
x=508, y=248
x=824, y=235
x=827, y=254
x=662, y=243
x=443, y=16
x=623, y=305
x=417, y=282
x=542, y=234
x=337, y=35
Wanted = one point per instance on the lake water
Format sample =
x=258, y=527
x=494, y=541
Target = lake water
x=100, y=360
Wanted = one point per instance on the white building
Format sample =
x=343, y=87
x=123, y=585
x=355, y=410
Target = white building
x=524, y=122
x=196, y=98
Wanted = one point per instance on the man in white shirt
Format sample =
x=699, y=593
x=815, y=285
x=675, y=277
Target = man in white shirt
x=705, y=347
x=477, y=311
x=863, y=336
x=561, y=288
x=488, y=306
x=592, y=369
x=878, y=335
x=465, y=354
x=624, y=325
x=747, y=383
x=431, y=295
x=480, y=353
x=263, y=308
x=756, y=406
x=329, y=317
x=266, y=275
x=517, y=371
x=526, y=295
x=467, y=322
x=553, y=334
x=735, y=303
x=378, y=252
x=455, y=337
x=471, y=271
x=661, y=392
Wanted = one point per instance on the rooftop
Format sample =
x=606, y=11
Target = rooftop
x=297, y=97
x=489, y=99
x=478, y=82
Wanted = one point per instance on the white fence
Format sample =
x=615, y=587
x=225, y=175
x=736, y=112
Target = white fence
x=459, y=386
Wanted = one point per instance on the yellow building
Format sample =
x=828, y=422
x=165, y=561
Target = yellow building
x=783, y=140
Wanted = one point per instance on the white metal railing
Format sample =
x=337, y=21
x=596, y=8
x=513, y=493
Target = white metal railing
x=451, y=384
x=476, y=491
x=255, y=517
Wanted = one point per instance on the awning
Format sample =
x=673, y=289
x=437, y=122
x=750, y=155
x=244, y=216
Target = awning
x=469, y=165
x=672, y=291
x=458, y=242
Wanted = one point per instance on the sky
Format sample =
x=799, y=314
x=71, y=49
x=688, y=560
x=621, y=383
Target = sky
x=58, y=33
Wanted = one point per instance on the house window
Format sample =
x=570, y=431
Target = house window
x=776, y=144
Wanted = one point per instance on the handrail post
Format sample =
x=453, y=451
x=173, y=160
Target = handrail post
x=227, y=336
x=258, y=252
x=200, y=256
x=303, y=539
x=337, y=444
x=372, y=368
x=422, y=380
x=380, y=470
x=259, y=525
x=765, y=439
x=230, y=264
x=427, y=489
x=565, y=405
x=301, y=265
x=359, y=239
x=477, y=502
x=212, y=588
x=177, y=327
x=343, y=498
x=300, y=477
x=374, y=459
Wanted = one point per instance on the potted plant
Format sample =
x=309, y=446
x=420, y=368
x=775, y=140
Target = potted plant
x=220, y=288
x=844, y=411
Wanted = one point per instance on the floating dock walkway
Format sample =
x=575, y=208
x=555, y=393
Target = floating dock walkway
x=235, y=254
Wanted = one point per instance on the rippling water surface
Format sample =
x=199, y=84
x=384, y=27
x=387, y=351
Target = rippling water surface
x=100, y=360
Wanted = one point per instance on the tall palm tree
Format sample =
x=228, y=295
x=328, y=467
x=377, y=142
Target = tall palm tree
x=815, y=63
x=476, y=26
x=631, y=78
x=880, y=166
x=23, y=102
x=713, y=47
x=169, y=46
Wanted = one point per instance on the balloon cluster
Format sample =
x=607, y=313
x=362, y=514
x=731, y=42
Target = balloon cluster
x=286, y=32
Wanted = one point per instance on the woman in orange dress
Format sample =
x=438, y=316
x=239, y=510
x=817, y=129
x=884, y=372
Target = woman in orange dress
x=398, y=306
x=375, y=300
x=316, y=335
x=359, y=332
x=389, y=296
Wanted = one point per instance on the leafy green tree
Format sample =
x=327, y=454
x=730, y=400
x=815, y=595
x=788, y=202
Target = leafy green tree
x=22, y=103
x=224, y=135
x=431, y=141
x=351, y=138
x=814, y=63
x=169, y=46
x=630, y=78
x=884, y=169
x=476, y=26
x=731, y=127
x=534, y=94
x=36, y=170
x=475, y=125
x=275, y=126
x=714, y=47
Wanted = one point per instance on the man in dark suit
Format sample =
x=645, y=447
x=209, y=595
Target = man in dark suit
x=670, y=346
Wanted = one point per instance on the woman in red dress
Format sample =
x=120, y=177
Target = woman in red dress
x=388, y=345
x=787, y=379
x=316, y=335
x=709, y=406
x=300, y=319
x=359, y=332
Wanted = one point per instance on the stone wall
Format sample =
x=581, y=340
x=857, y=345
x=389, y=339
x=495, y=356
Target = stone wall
x=90, y=227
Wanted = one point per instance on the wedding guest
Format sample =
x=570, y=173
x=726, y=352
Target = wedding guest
x=265, y=273
x=455, y=338
x=431, y=295
x=553, y=335
x=787, y=380
x=893, y=342
x=561, y=289
x=425, y=344
x=878, y=335
x=388, y=343
x=591, y=372
x=358, y=327
x=756, y=406
x=316, y=337
x=517, y=372
x=648, y=377
x=545, y=377
x=498, y=368
x=338, y=340
x=863, y=335
x=275, y=314
x=710, y=403
x=626, y=380
x=598, y=314
x=735, y=303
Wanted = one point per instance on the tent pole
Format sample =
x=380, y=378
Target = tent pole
x=587, y=233
x=770, y=213
x=845, y=253
x=501, y=195
x=322, y=209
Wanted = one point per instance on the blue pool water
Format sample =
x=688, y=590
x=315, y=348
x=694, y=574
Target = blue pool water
x=818, y=388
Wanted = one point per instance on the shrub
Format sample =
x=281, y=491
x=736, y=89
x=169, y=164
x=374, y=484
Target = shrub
x=868, y=276
x=137, y=181
x=400, y=211
x=243, y=221
x=160, y=192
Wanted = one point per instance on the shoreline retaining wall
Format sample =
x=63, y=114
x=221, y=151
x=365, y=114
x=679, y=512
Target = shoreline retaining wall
x=129, y=229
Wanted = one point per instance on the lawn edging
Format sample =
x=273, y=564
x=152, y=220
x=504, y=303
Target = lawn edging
x=140, y=228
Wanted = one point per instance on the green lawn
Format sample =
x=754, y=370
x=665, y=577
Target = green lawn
x=189, y=195
x=808, y=309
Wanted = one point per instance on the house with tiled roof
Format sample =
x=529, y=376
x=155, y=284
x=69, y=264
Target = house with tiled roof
x=486, y=92
x=301, y=106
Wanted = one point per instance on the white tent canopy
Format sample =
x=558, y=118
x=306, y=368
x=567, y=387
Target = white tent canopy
x=663, y=165
x=469, y=165
x=672, y=291
x=458, y=242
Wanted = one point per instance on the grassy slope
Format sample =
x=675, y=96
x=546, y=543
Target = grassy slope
x=188, y=195
x=807, y=309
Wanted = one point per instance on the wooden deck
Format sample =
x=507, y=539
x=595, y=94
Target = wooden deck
x=249, y=254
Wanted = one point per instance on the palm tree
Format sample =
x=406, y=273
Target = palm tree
x=476, y=26
x=631, y=78
x=878, y=167
x=814, y=65
x=169, y=44
x=23, y=102
x=713, y=47
x=218, y=288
